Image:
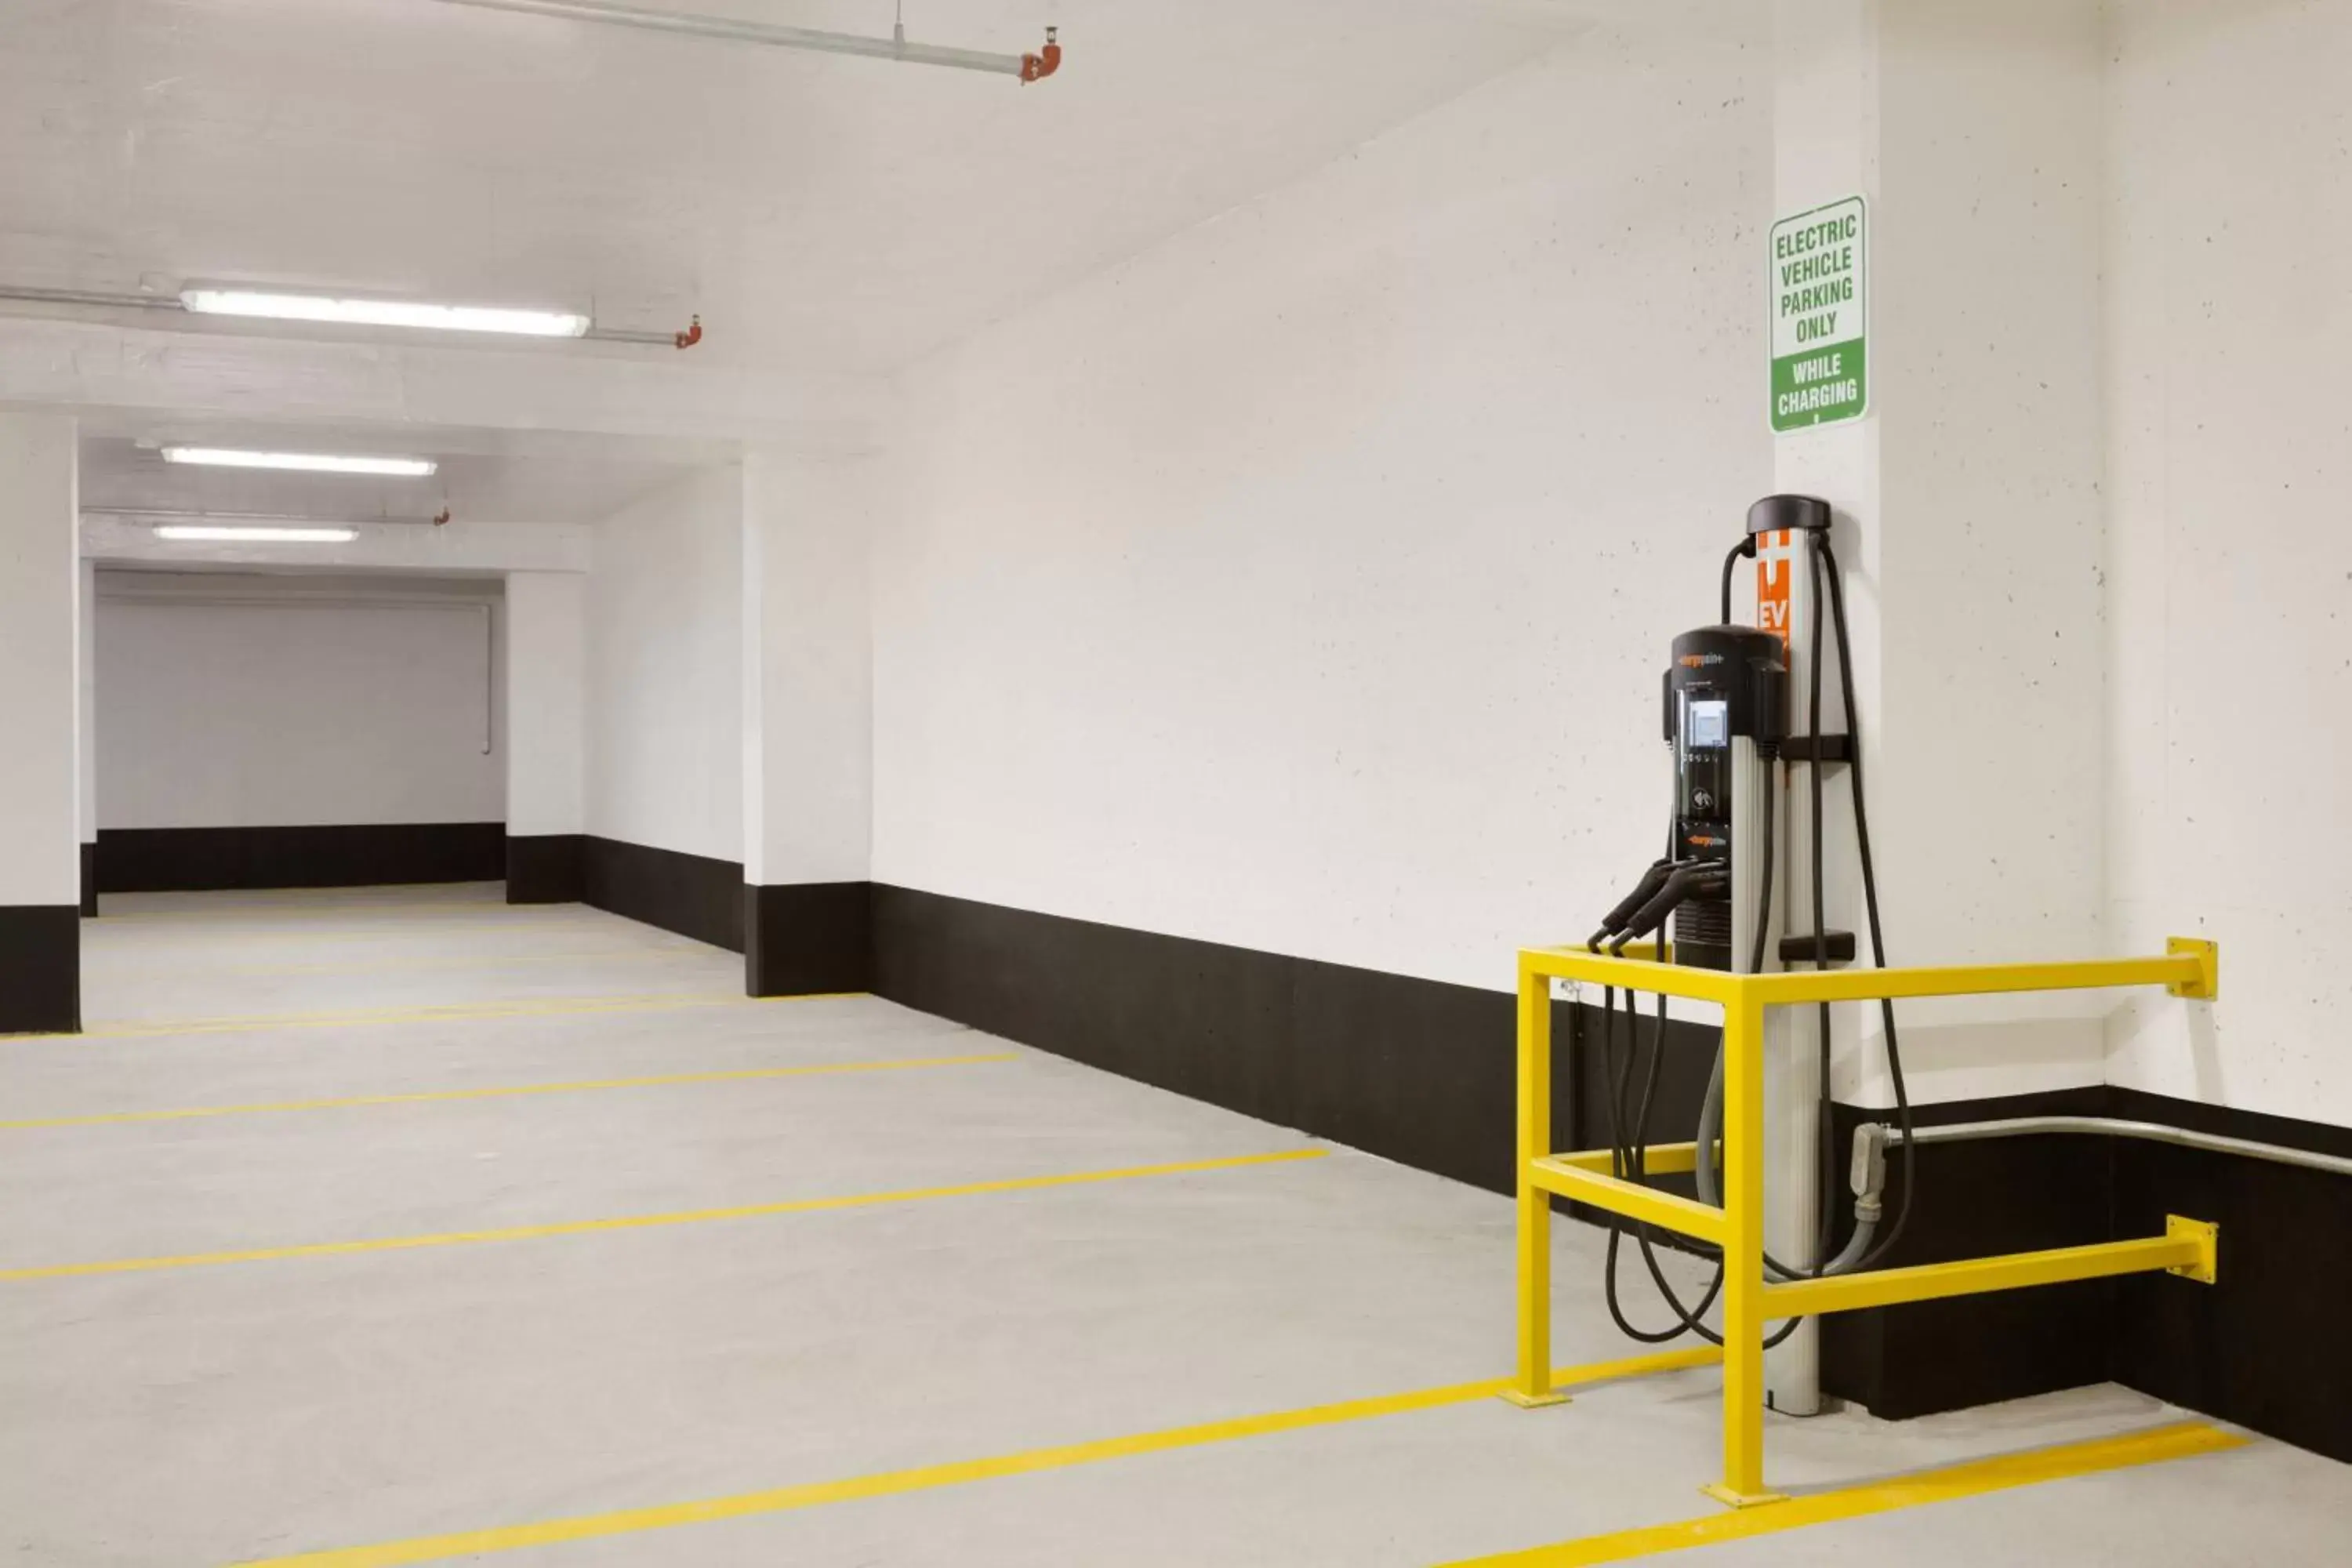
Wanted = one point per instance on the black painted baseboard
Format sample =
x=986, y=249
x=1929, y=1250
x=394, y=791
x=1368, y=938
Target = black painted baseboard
x=40, y=969
x=808, y=938
x=89, y=879
x=547, y=869
x=1421, y=1073
x=2262, y=1346
x=1974, y=1200
x=198, y=859
x=1417, y=1071
x=692, y=895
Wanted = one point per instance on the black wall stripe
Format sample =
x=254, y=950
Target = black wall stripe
x=1414, y=1070
x=40, y=969
x=2264, y=1346
x=1975, y=1200
x=692, y=895
x=193, y=859
x=806, y=938
x=89, y=879
x=547, y=869
x=1422, y=1072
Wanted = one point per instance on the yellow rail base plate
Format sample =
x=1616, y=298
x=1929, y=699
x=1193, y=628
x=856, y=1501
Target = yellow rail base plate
x=2208, y=983
x=1531, y=1401
x=1729, y=1498
x=2208, y=1237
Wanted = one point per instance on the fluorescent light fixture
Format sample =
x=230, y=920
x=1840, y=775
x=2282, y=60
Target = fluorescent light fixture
x=386, y=313
x=213, y=533
x=304, y=462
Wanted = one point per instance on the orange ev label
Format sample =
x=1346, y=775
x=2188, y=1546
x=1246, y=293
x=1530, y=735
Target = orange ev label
x=1776, y=568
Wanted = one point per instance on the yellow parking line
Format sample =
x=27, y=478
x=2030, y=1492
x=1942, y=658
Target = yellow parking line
x=404, y=965
x=418, y=931
x=506, y=1091
x=270, y=908
x=891, y=1483
x=1979, y=1476
x=443, y=1013
x=647, y=1221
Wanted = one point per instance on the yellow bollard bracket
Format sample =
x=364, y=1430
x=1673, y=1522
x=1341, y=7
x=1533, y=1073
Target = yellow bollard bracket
x=2208, y=983
x=2208, y=1237
x=1525, y=1401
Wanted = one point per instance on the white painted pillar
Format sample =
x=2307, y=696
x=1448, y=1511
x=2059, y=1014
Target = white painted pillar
x=1968, y=529
x=85, y=724
x=546, y=730
x=807, y=723
x=40, y=600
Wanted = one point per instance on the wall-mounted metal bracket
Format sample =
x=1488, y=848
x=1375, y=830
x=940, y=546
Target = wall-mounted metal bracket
x=2207, y=985
x=2208, y=1237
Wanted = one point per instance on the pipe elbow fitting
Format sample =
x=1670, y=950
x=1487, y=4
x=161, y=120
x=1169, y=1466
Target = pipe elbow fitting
x=1046, y=62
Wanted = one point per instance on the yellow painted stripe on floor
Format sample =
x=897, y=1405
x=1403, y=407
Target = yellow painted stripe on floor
x=649, y=1221
x=442, y=1013
x=278, y=907
x=377, y=934
x=143, y=971
x=891, y=1483
x=2177, y=1441
x=503, y=1092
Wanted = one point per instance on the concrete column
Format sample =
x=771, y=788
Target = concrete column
x=1969, y=526
x=1968, y=532
x=546, y=700
x=86, y=669
x=41, y=602
x=807, y=725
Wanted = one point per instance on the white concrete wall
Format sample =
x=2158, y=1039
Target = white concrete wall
x=546, y=702
x=2229, y=560
x=1304, y=582
x=41, y=856
x=230, y=701
x=1976, y=583
x=808, y=740
x=85, y=705
x=664, y=670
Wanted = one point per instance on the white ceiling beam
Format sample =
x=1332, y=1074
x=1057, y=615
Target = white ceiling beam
x=86, y=365
x=472, y=548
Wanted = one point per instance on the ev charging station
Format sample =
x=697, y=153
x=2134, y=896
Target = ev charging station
x=1745, y=887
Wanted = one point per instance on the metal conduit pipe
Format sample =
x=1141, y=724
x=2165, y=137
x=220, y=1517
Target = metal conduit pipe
x=1028, y=68
x=2113, y=1127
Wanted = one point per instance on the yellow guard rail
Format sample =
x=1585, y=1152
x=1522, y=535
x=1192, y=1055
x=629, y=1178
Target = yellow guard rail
x=2191, y=968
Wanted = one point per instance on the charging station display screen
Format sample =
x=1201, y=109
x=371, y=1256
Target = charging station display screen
x=1709, y=725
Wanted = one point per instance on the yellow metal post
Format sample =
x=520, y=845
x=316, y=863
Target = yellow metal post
x=1532, y=1386
x=1743, y=1256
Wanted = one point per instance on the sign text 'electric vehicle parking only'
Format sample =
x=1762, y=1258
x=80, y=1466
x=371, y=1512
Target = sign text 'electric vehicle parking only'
x=1821, y=312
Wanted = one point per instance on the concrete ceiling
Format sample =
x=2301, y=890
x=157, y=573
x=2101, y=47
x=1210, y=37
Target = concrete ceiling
x=845, y=214
x=828, y=217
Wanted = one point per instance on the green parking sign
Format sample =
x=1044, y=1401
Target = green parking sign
x=1821, y=315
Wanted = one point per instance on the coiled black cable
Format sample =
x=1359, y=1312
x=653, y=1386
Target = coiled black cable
x=1629, y=1157
x=1885, y=1243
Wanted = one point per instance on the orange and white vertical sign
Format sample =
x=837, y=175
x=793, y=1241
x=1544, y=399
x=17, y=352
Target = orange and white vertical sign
x=1776, y=571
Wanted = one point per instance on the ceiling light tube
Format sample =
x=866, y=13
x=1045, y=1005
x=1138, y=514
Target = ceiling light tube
x=213, y=533
x=385, y=312
x=302, y=462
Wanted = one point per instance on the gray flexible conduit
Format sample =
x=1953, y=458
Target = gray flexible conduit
x=2114, y=1127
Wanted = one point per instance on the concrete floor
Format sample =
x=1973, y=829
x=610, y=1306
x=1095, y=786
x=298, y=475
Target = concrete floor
x=218, y=1414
